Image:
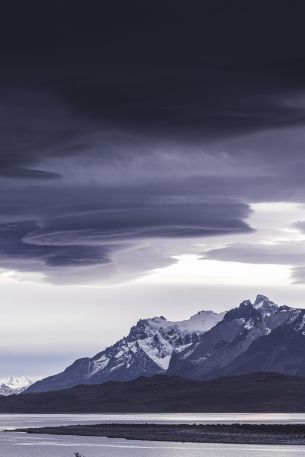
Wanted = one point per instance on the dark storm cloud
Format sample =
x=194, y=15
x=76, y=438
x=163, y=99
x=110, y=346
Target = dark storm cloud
x=163, y=220
x=14, y=250
x=81, y=228
x=124, y=123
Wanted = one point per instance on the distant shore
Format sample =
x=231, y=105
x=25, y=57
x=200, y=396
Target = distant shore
x=211, y=433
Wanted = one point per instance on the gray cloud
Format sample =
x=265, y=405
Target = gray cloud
x=79, y=237
x=114, y=137
x=291, y=253
x=300, y=225
x=283, y=253
x=90, y=194
x=298, y=274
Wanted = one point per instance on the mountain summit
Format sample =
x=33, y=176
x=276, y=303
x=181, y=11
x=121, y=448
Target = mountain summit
x=264, y=305
x=259, y=336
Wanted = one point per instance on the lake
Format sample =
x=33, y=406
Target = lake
x=23, y=445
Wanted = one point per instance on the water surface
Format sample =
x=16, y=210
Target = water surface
x=24, y=445
x=21, y=445
x=11, y=421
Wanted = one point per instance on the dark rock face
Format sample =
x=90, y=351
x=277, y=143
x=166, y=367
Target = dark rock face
x=254, y=337
x=281, y=351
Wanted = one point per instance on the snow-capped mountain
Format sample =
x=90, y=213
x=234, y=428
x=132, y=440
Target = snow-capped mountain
x=259, y=336
x=230, y=338
x=147, y=350
x=14, y=385
x=282, y=350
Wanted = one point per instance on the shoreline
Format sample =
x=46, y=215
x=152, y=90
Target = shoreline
x=273, y=434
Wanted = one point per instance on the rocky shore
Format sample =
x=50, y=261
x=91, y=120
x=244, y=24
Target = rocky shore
x=209, y=433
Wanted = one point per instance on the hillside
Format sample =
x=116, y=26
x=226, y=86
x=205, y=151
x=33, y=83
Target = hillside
x=260, y=392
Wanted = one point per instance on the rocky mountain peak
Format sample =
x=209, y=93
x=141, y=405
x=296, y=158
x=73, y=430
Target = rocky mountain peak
x=260, y=298
x=246, y=311
x=264, y=305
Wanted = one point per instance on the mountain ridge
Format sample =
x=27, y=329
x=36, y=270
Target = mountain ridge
x=206, y=346
x=147, y=349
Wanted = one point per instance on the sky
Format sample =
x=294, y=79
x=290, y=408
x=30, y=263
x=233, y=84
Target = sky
x=152, y=162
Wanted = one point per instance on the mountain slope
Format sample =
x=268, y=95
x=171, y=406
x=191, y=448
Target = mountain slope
x=281, y=351
x=251, y=393
x=147, y=350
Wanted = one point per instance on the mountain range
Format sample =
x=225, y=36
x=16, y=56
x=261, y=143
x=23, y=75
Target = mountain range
x=254, y=337
x=14, y=385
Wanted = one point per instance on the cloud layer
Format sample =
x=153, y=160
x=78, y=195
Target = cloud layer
x=117, y=136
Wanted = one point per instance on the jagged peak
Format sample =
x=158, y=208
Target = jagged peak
x=262, y=307
x=265, y=305
x=148, y=320
x=261, y=298
x=246, y=304
x=245, y=310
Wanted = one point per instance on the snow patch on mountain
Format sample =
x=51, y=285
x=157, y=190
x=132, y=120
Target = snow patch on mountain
x=200, y=322
x=165, y=336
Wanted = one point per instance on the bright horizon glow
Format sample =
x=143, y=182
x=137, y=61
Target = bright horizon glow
x=272, y=223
